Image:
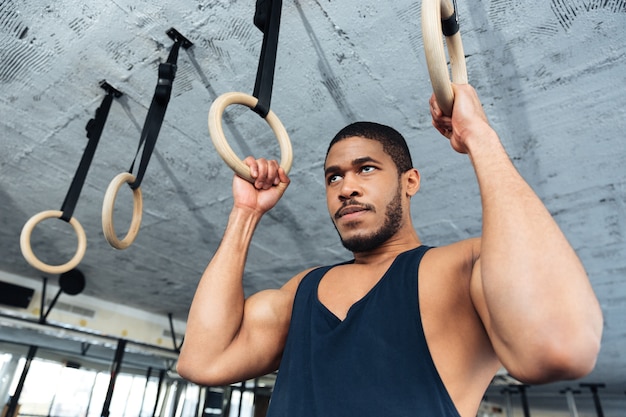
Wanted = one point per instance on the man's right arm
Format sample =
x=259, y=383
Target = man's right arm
x=229, y=338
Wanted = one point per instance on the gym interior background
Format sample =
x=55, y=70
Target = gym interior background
x=549, y=72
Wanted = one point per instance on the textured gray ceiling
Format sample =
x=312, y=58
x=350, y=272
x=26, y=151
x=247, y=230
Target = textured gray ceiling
x=550, y=74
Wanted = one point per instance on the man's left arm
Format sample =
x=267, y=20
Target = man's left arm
x=528, y=285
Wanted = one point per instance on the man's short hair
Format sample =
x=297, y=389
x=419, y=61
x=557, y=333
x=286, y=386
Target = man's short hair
x=393, y=142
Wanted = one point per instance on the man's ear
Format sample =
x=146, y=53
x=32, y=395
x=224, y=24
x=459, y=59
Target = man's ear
x=412, y=181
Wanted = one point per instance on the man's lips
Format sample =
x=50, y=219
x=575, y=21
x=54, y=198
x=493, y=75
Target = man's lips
x=351, y=209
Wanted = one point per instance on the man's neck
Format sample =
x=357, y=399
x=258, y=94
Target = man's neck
x=388, y=250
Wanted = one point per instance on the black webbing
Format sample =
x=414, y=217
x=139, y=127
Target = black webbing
x=267, y=19
x=450, y=26
x=94, y=131
x=156, y=112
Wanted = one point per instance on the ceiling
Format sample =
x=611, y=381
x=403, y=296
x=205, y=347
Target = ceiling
x=550, y=75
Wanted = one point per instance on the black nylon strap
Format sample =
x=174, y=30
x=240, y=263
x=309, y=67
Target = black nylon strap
x=156, y=113
x=450, y=26
x=94, y=131
x=267, y=19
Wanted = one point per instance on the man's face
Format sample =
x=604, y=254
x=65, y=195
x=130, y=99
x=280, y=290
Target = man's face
x=363, y=193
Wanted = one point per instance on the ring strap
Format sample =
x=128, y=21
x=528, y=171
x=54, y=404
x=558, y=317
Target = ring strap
x=450, y=26
x=266, y=19
x=94, y=131
x=158, y=106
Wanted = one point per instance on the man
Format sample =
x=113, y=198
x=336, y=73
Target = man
x=403, y=329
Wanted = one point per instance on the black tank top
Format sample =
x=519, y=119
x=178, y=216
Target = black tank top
x=373, y=363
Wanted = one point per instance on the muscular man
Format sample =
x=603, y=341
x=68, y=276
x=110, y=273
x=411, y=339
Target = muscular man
x=402, y=329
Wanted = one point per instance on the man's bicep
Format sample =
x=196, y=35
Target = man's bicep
x=258, y=346
x=485, y=307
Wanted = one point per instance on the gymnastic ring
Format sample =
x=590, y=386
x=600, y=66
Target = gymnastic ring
x=27, y=250
x=432, y=13
x=225, y=151
x=107, y=212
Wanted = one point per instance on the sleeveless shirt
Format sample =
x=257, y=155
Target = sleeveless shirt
x=373, y=363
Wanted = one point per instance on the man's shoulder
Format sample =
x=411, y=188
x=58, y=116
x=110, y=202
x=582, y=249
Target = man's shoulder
x=294, y=282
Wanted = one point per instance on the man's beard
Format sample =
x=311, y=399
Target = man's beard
x=393, y=220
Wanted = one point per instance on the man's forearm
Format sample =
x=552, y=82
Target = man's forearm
x=216, y=312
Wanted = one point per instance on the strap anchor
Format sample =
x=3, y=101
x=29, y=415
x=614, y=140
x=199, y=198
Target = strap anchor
x=110, y=89
x=177, y=37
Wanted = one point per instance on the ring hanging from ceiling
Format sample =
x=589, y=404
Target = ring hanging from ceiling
x=440, y=16
x=31, y=258
x=267, y=19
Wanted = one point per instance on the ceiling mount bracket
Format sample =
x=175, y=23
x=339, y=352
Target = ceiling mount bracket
x=110, y=89
x=176, y=36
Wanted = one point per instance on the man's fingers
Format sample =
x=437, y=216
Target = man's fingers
x=262, y=176
x=271, y=174
x=266, y=173
x=435, y=111
x=441, y=122
x=252, y=164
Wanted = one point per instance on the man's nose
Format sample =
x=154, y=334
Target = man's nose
x=350, y=187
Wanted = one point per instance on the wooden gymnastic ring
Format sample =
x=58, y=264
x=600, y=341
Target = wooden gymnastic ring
x=221, y=145
x=432, y=13
x=27, y=250
x=107, y=212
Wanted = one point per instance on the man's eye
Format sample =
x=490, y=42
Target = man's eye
x=368, y=169
x=333, y=178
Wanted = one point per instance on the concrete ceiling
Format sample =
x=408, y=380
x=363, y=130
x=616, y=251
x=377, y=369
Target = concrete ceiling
x=550, y=74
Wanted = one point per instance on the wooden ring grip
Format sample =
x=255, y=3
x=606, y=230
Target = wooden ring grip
x=432, y=13
x=216, y=132
x=27, y=250
x=107, y=212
